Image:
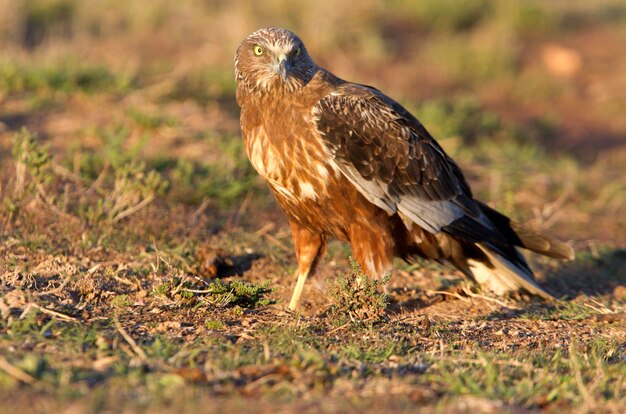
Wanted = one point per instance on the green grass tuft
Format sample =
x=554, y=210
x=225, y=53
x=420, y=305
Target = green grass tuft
x=238, y=293
x=66, y=78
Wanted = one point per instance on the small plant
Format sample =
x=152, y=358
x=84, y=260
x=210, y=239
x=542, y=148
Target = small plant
x=357, y=297
x=121, y=301
x=133, y=189
x=32, y=160
x=214, y=325
x=237, y=293
x=162, y=289
x=178, y=289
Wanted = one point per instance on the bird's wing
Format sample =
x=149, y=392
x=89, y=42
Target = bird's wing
x=396, y=164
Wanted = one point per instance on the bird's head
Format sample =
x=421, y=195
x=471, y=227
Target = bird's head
x=271, y=59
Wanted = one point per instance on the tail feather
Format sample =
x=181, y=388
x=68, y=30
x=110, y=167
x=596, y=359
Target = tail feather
x=503, y=275
x=522, y=236
x=540, y=243
x=485, y=248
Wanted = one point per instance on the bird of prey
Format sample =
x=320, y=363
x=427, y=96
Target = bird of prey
x=346, y=161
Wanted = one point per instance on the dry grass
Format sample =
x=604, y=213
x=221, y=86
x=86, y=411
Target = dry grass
x=128, y=192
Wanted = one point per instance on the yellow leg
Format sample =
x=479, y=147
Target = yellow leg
x=297, y=291
x=309, y=247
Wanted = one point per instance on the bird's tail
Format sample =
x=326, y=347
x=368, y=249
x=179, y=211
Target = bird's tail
x=502, y=275
x=491, y=259
x=542, y=243
x=503, y=269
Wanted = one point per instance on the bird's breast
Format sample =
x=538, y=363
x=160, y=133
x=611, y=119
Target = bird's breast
x=285, y=151
x=298, y=172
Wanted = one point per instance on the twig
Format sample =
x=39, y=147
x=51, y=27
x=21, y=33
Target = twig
x=264, y=380
x=277, y=242
x=50, y=312
x=98, y=265
x=61, y=170
x=470, y=294
x=487, y=298
x=453, y=294
x=197, y=290
x=267, y=227
x=125, y=281
x=184, y=261
x=234, y=219
x=338, y=328
x=16, y=373
x=133, y=209
x=158, y=257
x=551, y=212
x=95, y=186
x=49, y=201
x=138, y=351
x=199, y=210
x=601, y=309
x=55, y=290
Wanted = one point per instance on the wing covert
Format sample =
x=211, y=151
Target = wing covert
x=391, y=158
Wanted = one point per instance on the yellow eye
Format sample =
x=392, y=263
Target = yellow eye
x=258, y=50
x=298, y=52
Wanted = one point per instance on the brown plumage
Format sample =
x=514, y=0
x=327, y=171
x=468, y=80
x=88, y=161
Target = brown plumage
x=343, y=160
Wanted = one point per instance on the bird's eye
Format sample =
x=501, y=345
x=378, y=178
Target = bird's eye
x=258, y=50
x=298, y=52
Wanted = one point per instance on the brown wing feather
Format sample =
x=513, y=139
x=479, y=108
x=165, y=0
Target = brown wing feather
x=393, y=160
x=386, y=142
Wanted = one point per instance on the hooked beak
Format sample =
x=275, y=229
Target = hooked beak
x=283, y=67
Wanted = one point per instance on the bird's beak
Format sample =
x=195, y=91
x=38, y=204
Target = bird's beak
x=283, y=67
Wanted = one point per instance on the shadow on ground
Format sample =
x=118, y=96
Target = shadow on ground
x=591, y=276
x=580, y=281
x=216, y=263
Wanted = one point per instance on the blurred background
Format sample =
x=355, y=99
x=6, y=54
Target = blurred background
x=529, y=96
x=125, y=189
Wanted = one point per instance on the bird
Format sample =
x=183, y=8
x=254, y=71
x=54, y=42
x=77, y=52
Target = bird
x=345, y=161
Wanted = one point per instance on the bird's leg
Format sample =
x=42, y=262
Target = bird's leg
x=309, y=248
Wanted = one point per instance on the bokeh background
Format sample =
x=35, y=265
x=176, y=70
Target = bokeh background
x=554, y=72
x=125, y=189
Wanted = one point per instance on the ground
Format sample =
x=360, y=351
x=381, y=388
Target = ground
x=145, y=268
